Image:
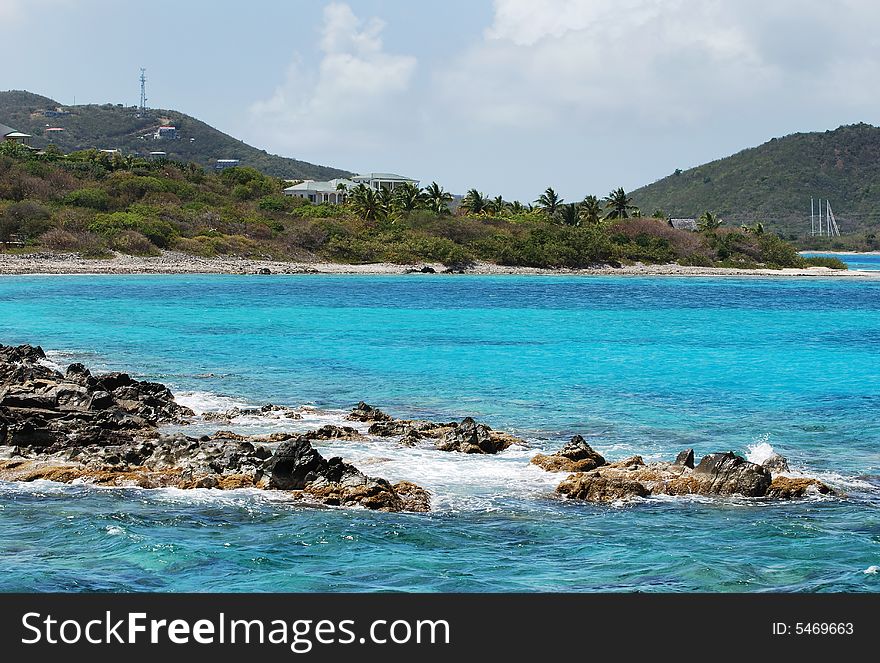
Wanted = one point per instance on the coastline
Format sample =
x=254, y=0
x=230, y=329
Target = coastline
x=171, y=262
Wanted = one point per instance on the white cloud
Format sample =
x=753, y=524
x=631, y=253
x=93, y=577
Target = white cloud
x=352, y=98
x=658, y=63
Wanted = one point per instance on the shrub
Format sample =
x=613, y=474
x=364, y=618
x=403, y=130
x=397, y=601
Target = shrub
x=159, y=232
x=133, y=243
x=87, y=244
x=823, y=261
x=90, y=197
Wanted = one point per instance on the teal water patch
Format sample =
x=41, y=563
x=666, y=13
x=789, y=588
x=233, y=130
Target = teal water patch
x=637, y=365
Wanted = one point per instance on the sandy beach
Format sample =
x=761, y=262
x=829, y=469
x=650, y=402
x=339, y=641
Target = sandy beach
x=171, y=262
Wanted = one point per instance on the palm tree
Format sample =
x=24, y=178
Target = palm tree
x=366, y=203
x=408, y=197
x=474, y=202
x=341, y=191
x=619, y=205
x=437, y=199
x=497, y=205
x=550, y=201
x=709, y=221
x=386, y=200
x=591, y=210
x=568, y=214
x=517, y=207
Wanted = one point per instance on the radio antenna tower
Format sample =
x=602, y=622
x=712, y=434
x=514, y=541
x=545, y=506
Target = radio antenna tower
x=143, y=106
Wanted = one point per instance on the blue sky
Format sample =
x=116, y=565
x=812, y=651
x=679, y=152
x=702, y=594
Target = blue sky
x=508, y=96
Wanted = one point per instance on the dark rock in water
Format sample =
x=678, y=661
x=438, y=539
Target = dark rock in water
x=264, y=271
x=364, y=412
x=776, y=463
x=472, y=438
x=390, y=428
x=729, y=474
x=331, y=432
x=294, y=464
x=594, y=487
x=685, y=459
x=428, y=270
x=575, y=456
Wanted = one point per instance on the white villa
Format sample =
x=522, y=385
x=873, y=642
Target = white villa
x=334, y=191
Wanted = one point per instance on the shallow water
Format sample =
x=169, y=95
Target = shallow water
x=636, y=365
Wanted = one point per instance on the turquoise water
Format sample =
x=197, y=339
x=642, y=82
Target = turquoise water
x=636, y=365
x=863, y=261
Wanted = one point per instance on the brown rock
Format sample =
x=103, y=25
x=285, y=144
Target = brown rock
x=364, y=412
x=575, y=456
x=414, y=497
x=787, y=488
x=594, y=487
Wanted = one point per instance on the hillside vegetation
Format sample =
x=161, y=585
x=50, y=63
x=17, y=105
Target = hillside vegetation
x=114, y=126
x=773, y=184
x=92, y=202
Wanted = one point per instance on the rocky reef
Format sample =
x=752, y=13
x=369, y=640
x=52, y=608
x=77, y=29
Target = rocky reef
x=718, y=474
x=104, y=430
x=465, y=436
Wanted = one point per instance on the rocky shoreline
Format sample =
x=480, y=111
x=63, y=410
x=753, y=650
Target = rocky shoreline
x=106, y=430
x=174, y=262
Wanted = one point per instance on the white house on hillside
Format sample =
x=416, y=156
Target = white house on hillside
x=334, y=191
x=8, y=133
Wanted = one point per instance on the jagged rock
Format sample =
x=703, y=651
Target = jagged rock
x=685, y=459
x=595, y=487
x=631, y=463
x=366, y=413
x=411, y=439
x=776, y=463
x=414, y=497
x=575, y=456
x=330, y=432
x=391, y=428
x=729, y=474
x=296, y=465
x=472, y=438
x=278, y=411
x=787, y=488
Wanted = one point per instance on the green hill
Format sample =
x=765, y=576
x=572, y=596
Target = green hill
x=114, y=126
x=773, y=183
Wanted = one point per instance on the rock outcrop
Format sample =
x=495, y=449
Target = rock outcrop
x=364, y=412
x=469, y=437
x=718, y=474
x=575, y=456
x=104, y=430
x=42, y=407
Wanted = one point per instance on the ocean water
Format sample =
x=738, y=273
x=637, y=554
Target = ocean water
x=644, y=366
x=861, y=261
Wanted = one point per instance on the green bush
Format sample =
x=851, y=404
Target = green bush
x=90, y=197
x=133, y=243
x=86, y=244
x=822, y=261
x=159, y=232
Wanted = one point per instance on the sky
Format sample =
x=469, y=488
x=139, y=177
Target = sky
x=506, y=96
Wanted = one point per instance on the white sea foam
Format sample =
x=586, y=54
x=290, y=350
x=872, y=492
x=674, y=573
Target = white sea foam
x=201, y=402
x=114, y=530
x=760, y=451
x=872, y=570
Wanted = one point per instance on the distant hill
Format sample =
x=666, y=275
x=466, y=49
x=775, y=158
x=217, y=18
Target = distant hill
x=112, y=126
x=773, y=183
